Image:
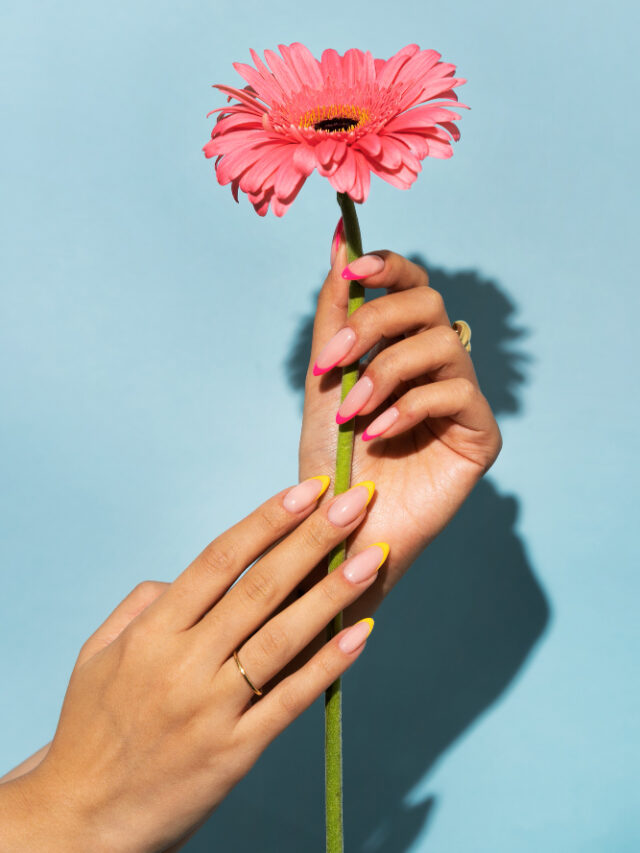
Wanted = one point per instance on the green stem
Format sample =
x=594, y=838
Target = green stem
x=342, y=481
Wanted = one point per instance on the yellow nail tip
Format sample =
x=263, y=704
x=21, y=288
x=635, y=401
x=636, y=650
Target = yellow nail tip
x=369, y=622
x=325, y=483
x=384, y=547
x=369, y=485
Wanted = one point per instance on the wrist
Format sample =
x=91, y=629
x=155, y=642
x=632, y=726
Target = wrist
x=35, y=815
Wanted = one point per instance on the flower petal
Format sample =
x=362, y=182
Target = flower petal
x=387, y=75
x=304, y=64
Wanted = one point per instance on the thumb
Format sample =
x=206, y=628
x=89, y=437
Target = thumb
x=331, y=311
x=138, y=600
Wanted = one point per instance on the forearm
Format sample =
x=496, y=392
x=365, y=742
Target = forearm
x=27, y=765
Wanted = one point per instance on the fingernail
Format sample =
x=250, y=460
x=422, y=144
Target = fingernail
x=334, y=350
x=337, y=237
x=381, y=424
x=301, y=497
x=365, y=564
x=355, y=399
x=363, y=267
x=356, y=635
x=349, y=505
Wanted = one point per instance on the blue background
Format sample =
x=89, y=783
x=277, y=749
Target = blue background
x=151, y=396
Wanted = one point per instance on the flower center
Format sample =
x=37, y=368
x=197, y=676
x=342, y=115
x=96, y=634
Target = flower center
x=334, y=118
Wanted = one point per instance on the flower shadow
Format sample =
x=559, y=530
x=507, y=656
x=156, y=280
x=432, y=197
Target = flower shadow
x=449, y=641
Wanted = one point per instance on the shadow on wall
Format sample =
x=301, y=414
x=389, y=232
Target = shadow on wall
x=450, y=638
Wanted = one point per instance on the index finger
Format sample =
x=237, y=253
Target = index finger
x=211, y=574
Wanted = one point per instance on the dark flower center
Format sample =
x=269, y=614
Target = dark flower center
x=335, y=124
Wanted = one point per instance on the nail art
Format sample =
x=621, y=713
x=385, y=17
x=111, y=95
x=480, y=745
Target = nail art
x=381, y=424
x=365, y=564
x=355, y=400
x=348, y=506
x=363, y=267
x=337, y=237
x=334, y=351
x=305, y=494
x=355, y=636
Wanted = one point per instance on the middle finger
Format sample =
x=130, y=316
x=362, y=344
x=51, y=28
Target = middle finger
x=265, y=585
x=388, y=316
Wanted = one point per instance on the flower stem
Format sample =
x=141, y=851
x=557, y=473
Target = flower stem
x=342, y=481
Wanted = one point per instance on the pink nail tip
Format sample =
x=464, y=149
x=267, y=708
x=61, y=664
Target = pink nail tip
x=355, y=400
x=348, y=275
x=381, y=424
x=363, y=267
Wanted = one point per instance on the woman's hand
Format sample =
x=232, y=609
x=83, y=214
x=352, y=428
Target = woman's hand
x=158, y=722
x=424, y=431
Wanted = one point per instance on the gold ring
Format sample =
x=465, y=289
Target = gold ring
x=245, y=676
x=464, y=333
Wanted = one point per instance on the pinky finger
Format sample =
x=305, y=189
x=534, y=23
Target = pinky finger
x=457, y=403
x=269, y=716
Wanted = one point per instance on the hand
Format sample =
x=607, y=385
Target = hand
x=158, y=723
x=441, y=435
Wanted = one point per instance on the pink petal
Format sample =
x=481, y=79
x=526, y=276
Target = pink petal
x=288, y=81
x=352, y=63
x=287, y=179
x=387, y=75
x=420, y=118
x=370, y=144
x=451, y=128
x=325, y=151
x=331, y=65
x=415, y=143
x=241, y=95
x=343, y=178
x=360, y=189
x=267, y=89
x=304, y=159
x=438, y=147
x=305, y=64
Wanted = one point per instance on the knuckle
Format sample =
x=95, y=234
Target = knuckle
x=258, y=586
x=449, y=340
x=331, y=589
x=434, y=300
x=315, y=534
x=147, y=590
x=290, y=700
x=219, y=559
x=272, y=641
x=465, y=390
x=270, y=517
x=411, y=403
x=325, y=667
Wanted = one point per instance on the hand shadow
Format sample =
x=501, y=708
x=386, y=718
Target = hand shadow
x=450, y=638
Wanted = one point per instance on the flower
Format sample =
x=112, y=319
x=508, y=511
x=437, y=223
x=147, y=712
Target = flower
x=346, y=116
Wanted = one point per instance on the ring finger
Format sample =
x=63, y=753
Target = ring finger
x=278, y=642
x=265, y=585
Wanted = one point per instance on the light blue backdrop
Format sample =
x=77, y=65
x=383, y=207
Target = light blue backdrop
x=146, y=327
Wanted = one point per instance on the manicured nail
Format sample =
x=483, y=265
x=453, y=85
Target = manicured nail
x=334, y=350
x=363, y=267
x=348, y=506
x=381, y=424
x=337, y=237
x=355, y=636
x=365, y=564
x=301, y=497
x=355, y=400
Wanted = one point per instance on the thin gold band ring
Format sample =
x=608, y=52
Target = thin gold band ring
x=243, y=672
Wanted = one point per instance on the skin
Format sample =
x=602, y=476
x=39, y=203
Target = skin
x=446, y=437
x=179, y=751
x=158, y=724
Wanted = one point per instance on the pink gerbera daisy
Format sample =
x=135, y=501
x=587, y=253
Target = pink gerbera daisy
x=346, y=116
